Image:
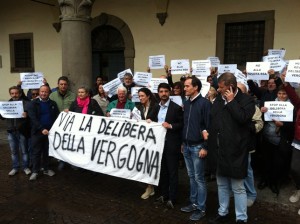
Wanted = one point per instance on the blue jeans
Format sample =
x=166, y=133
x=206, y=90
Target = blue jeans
x=249, y=182
x=240, y=196
x=195, y=167
x=18, y=142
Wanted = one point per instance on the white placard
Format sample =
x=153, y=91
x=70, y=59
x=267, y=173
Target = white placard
x=114, y=146
x=112, y=86
x=120, y=113
x=31, y=80
x=257, y=70
x=280, y=52
x=202, y=79
x=205, y=88
x=201, y=67
x=279, y=111
x=293, y=71
x=121, y=74
x=240, y=77
x=177, y=100
x=215, y=61
x=154, y=82
x=136, y=114
x=142, y=78
x=134, y=94
x=276, y=62
x=223, y=68
x=180, y=66
x=11, y=109
x=157, y=62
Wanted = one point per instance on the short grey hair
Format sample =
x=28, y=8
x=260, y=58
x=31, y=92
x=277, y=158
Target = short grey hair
x=122, y=88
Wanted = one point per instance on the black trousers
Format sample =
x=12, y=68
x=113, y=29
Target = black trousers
x=40, y=152
x=295, y=167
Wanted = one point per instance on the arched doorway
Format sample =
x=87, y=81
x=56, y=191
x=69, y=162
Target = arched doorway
x=112, y=46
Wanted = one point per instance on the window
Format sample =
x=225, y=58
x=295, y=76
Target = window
x=244, y=37
x=21, y=52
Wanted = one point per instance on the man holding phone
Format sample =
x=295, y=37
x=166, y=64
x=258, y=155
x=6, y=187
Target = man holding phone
x=229, y=135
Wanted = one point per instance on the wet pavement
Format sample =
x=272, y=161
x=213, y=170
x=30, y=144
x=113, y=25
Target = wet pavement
x=84, y=197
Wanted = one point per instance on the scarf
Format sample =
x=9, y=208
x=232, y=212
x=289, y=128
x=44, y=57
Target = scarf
x=84, y=103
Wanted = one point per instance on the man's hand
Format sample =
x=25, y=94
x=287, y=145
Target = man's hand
x=229, y=94
x=202, y=153
x=167, y=125
x=45, y=132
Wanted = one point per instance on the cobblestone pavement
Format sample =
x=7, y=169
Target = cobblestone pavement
x=84, y=197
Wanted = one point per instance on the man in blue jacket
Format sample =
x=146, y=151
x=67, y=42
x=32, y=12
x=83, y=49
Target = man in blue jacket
x=196, y=121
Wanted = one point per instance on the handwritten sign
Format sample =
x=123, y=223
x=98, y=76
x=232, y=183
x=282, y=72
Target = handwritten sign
x=31, y=80
x=257, y=70
x=142, y=78
x=121, y=74
x=280, y=52
x=241, y=77
x=136, y=114
x=112, y=86
x=201, y=67
x=293, y=71
x=11, y=109
x=154, y=82
x=121, y=113
x=157, y=62
x=279, y=111
x=114, y=146
x=223, y=68
x=215, y=61
x=134, y=94
x=179, y=67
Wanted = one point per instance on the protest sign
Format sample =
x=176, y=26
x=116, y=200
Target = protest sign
x=11, y=109
x=154, y=82
x=293, y=71
x=215, y=61
x=279, y=111
x=31, y=80
x=223, y=68
x=134, y=94
x=112, y=86
x=241, y=77
x=121, y=113
x=201, y=67
x=179, y=67
x=205, y=88
x=280, y=52
x=136, y=114
x=257, y=70
x=142, y=78
x=157, y=62
x=276, y=62
x=114, y=146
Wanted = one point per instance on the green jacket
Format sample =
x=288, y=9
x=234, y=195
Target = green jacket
x=128, y=105
x=63, y=102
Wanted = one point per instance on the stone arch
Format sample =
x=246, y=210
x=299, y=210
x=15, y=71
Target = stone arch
x=113, y=21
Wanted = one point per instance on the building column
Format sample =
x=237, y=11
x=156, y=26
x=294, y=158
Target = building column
x=76, y=41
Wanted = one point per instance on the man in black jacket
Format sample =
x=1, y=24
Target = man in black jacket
x=43, y=113
x=229, y=135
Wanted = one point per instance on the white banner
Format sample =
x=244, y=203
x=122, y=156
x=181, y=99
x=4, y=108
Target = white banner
x=201, y=67
x=11, y=109
x=293, y=71
x=279, y=111
x=257, y=70
x=113, y=146
x=31, y=80
x=180, y=67
x=157, y=62
x=112, y=86
x=142, y=78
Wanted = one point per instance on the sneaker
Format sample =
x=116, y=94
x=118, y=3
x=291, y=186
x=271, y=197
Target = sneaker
x=170, y=204
x=219, y=219
x=295, y=197
x=197, y=215
x=149, y=192
x=250, y=202
x=33, y=176
x=49, y=173
x=12, y=172
x=27, y=171
x=189, y=208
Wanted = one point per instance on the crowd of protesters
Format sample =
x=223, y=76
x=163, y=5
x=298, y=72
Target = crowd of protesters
x=213, y=135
